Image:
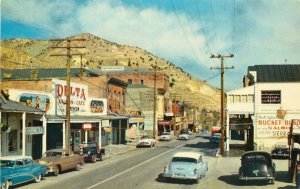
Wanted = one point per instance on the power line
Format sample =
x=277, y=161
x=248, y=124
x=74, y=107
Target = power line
x=202, y=27
x=185, y=35
x=233, y=29
x=213, y=18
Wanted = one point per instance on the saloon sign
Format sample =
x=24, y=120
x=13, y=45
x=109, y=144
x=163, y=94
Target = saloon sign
x=78, y=96
x=275, y=128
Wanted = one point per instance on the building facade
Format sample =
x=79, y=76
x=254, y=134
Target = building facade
x=265, y=108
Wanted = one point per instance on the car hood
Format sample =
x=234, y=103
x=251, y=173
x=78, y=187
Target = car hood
x=145, y=140
x=164, y=135
x=5, y=171
x=182, y=167
x=183, y=135
x=46, y=160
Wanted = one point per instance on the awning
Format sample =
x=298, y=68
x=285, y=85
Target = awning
x=82, y=119
x=164, y=122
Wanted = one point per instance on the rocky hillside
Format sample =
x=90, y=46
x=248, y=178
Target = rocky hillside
x=25, y=53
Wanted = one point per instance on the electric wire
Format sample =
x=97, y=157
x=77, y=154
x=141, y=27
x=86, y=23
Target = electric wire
x=186, y=37
x=233, y=28
x=202, y=27
x=213, y=19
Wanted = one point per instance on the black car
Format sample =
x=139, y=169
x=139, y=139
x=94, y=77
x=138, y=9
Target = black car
x=91, y=153
x=280, y=152
x=257, y=165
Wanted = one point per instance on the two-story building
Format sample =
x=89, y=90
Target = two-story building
x=266, y=106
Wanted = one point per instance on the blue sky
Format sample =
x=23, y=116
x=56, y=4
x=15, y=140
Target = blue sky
x=185, y=32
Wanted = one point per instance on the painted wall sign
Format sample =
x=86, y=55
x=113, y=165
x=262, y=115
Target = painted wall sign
x=275, y=128
x=38, y=101
x=78, y=96
x=97, y=106
x=34, y=130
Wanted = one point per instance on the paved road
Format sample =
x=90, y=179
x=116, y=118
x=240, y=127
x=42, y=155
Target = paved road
x=142, y=168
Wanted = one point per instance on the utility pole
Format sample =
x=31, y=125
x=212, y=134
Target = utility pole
x=222, y=57
x=68, y=87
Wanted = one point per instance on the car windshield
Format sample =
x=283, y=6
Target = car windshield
x=7, y=163
x=52, y=154
x=87, y=149
x=184, y=159
x=165, y=133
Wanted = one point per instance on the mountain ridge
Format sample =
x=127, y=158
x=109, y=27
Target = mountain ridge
x=28, y=53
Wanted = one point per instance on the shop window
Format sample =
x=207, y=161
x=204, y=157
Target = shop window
x=270, y=97
x=250, y=98
x=12, y=140
x=244, y=98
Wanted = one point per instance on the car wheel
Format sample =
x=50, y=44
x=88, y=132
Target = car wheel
x=38, y=178
x=56, y=171
x=5, y=185
x=273, y=181
x=94, y=159
x=78, y=167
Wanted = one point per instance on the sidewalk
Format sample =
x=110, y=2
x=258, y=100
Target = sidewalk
x=114, y=149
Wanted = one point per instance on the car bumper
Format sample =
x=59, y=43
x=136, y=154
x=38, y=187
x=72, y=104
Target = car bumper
x=144, y=144
x=180, y=176
x=256, y=178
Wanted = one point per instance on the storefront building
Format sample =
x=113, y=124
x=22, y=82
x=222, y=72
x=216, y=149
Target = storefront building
x=267, y=105
x=23, y=129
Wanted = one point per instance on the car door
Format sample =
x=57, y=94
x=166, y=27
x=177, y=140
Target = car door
x=19, y=172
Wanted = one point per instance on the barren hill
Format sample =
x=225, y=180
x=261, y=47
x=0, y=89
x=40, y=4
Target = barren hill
x=26, y=53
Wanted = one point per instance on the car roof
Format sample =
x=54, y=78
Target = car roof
x=256, y=153
x=15, y=157
x=194, y=155
x=57, y=150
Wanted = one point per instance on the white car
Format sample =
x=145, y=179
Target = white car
x=146, y=141
x=183, y=136
x=165, y=136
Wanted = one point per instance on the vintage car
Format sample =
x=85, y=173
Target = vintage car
x=165, y=136
x=183, y=136
x=91, y=152
x=257, y=165
x=58, y=160
x=186, y=166
x=280, y=151
x=20, y=169
x=146, y=141
x=215, y=138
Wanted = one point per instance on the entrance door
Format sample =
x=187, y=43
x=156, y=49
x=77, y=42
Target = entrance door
x=37, y=141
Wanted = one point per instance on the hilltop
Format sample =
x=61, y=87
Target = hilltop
x=26, y=53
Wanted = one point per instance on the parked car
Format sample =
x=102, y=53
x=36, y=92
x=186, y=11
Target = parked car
x=91, y=152
x=147, y=141
x=184, y=136
x=58, y=160
x=20, y=169
x=280, y=151
x=215, y=138
x=186, y=166
x=257, y=165
x=165, y=136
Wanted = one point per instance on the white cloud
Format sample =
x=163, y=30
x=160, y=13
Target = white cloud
x=266, y=32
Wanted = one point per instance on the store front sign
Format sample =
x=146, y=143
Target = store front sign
x=136, y=120
x=275, y=128
x=86, y=126
x=34, y=130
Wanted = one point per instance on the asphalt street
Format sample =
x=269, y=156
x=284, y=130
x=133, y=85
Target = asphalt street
x=142, y=168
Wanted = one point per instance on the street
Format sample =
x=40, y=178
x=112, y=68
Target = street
x=142, y=167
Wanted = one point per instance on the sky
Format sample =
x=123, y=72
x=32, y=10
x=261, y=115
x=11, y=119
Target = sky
x=184, y=32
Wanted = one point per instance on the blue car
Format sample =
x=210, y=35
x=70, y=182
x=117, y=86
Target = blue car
x=20, y=169
x=186, y=166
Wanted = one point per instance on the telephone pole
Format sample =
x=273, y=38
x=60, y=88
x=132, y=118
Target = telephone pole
x=68, y=47
x=222, y=57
